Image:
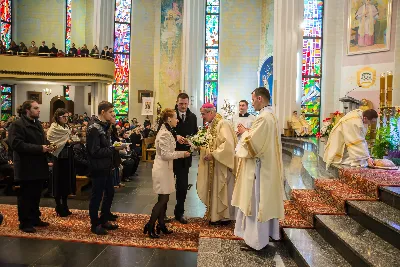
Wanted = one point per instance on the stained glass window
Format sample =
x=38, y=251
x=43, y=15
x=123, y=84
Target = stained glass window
x=66, y=92
x=68, y=26
x=211, y=58
x=122, y=40
x=312, y=62
x=5, y=22
x=6, y=101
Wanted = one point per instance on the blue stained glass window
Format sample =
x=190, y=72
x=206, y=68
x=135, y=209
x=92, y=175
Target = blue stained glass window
x=211, y=58
x=6, y=101
x=312, y=62
x=122, y=35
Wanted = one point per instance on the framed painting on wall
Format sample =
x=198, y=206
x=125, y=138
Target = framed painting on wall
x=369, y=25
x=36, y=96
x=144, y=93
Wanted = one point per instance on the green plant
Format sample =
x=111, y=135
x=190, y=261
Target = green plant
x=387, y=138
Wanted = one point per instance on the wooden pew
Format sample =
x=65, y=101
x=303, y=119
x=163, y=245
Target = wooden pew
x=81, y=181
x=146, y=152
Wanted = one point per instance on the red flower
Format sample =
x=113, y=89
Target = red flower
x=318, y=135
x=328, y=119
x=398, y=111
x=337, y=112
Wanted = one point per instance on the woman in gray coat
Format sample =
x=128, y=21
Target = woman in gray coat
x=162, y=173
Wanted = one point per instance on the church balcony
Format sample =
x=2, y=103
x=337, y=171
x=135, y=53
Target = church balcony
x=74, y=69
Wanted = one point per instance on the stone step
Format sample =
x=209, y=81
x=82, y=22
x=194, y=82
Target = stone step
x=337, y=193
x=377, y=217
x=308, y=248
x=356, y=244
x=390, y=195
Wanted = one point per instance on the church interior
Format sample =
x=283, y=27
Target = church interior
x=320, y=60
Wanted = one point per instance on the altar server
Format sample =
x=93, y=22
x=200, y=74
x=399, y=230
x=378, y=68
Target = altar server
x=243, y=118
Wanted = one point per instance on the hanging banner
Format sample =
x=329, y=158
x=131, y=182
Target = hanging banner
x=147, y=106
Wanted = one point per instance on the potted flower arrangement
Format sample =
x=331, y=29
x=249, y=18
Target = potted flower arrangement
x=387, y=139
x=328, y=124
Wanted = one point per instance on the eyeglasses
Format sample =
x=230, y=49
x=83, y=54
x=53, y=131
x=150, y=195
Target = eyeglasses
x=65, y=117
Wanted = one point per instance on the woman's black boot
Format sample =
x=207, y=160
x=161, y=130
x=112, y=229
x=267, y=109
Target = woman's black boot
x=149, y=229
x=163, y=228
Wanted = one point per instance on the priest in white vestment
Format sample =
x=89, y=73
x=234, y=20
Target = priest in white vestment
x=296, y=124
x=243, y=118
x=217, y=165
x=346, y=143
x=304, y=123
x=258, y=190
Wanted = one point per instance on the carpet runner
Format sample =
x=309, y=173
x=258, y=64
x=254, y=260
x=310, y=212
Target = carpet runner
x=76, y=228
x=330, y=195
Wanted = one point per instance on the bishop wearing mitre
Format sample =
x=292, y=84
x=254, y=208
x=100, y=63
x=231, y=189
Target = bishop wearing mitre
x=346, y=143
x=215, y=179
x=258, y=192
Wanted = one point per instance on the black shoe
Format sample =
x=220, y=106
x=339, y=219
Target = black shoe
x=223, y=223
x=163, y=228
x=61, y=211
x=67, y=211
x=113, y=216
x=40, y=223
x=1, y=218
x=98, y=230
x=167, y=219
x=181, y=219
x=27, y=228
x=149, y=229
x=109, y=226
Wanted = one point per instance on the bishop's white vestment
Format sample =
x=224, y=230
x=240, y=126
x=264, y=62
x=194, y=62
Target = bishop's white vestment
x=258, y=191
x=346, y=143
x=216, y=178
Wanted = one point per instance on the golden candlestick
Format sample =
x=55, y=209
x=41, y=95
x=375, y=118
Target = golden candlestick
x=382, y=98
x=389, y=89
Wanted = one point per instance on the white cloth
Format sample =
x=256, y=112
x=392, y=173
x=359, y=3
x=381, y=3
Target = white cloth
x=245, y=121
x=163, y=172
x=256, y=234
x=58, y=135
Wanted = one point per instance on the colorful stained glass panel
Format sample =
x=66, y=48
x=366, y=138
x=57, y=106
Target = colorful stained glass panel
x=121, y=106
x=312, y=28
x=311, y=97
x=213, y=2
x=121, y=92
x=121, y=72
x=212, y=30
x=5, y=116
x=123, y=10
x=211, y=89
x=68, y=26
x=313, y=9
x=314, y=122
x=211, y=76
x=212, y=9
x=5, y=10
x=5, y=89
x=211, y=56
x=6, y=34
x=122, y=37
x=211, y=68
x=311, y=57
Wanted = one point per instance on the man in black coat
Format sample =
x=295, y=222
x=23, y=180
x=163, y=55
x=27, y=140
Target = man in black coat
x=100, y=155
x=31, y=169
x=187, y=125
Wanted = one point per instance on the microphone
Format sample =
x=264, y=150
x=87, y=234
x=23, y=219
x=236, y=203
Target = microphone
x=352, y=90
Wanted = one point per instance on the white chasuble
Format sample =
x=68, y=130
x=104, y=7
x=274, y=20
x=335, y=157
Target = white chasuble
x=258, y=191
x=297, y=125
x=215, y=179
x=346, y=143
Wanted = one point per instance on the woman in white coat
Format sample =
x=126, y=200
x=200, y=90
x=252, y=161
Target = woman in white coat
x=162, y=173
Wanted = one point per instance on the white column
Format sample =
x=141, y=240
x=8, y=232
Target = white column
x=193, y=53
x=288, y=17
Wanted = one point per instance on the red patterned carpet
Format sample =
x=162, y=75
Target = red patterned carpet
x=76, y=228
x=330, y=195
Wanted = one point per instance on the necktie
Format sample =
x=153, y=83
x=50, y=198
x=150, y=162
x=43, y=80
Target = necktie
x=183, y=117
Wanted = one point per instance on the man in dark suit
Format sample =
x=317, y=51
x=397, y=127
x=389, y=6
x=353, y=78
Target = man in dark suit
x=187, y=125
x=31, y=169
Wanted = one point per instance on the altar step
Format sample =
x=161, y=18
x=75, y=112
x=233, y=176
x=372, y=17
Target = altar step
x=309, y=249
x=390, y=196
x=377, y=217
x=356, y=244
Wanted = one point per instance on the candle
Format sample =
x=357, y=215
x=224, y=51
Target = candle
x=389, y=88
x=382, y=90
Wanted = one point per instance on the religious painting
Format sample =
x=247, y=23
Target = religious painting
x=266, y=77
x=35, y=96
x=369, y=25
x=147, y=106
x=366, y=77
x=144, y=93
x=170, y=51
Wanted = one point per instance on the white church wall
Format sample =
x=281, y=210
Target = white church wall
x=340, y=70
x=240, y=33
x=142, y=56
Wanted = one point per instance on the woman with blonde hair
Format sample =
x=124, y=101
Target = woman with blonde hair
x=64, y=179
x=162, y=173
